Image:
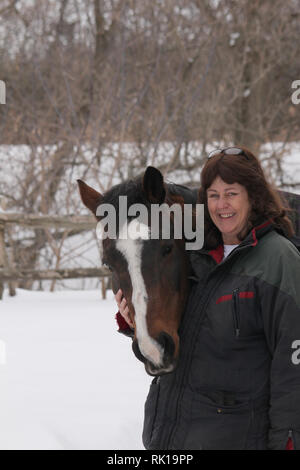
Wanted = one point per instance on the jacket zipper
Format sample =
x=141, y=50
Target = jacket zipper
x=236, y=313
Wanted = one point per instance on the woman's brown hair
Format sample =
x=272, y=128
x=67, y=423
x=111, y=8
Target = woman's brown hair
x=265, y=201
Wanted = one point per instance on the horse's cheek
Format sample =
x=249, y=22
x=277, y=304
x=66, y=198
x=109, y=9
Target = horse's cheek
x=115, y=283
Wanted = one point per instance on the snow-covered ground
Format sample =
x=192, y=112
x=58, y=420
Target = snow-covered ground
x=68, y=380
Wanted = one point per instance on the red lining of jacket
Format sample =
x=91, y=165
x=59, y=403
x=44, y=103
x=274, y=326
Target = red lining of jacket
x=254, y=230
x=218, y=253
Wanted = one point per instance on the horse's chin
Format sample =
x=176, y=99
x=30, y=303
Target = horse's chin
x=157, y=371
x=152, y=369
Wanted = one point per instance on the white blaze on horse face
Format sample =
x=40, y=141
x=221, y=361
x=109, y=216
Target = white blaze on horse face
x=131, y=248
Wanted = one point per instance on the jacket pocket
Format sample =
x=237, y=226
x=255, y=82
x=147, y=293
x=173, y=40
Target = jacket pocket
x=216, y=426
x=150, y=412
x=236, y=314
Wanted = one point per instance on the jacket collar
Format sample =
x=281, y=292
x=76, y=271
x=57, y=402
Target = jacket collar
x=251, y=239
x=258, y=232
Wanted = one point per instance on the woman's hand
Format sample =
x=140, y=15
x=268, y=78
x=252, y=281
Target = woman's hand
x=123, y=308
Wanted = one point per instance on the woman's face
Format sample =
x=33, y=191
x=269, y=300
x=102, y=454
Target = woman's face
x=229, y=208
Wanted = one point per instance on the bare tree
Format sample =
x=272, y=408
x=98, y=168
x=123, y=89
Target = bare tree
x=101, y=89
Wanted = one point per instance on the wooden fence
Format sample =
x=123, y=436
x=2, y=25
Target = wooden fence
x=75, y=224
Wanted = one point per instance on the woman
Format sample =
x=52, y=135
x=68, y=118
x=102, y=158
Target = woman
x=237, y=384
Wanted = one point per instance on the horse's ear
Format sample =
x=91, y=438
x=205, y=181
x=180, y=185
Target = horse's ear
x=90, y=197
x=153, y=185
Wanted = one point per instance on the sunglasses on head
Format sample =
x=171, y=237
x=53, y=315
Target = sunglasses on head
x=228, y=151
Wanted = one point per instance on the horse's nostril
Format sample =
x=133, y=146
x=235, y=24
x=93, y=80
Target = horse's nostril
x=167, y=343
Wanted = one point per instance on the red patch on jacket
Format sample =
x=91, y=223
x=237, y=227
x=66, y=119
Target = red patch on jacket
x=246, y=295
x=224, y=298
x=242, y=295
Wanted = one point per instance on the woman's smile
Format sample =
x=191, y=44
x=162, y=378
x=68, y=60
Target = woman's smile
x=226, y=216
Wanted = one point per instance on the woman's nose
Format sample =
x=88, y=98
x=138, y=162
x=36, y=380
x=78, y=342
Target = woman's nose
x=222, y=202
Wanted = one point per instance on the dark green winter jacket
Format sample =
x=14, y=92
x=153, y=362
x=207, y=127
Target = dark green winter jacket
x=237, y=384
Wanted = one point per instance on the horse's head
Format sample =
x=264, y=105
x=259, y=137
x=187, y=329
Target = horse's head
x=152, y=273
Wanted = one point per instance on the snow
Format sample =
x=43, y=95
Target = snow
x=68, y=380
x=233, y=38
x=246, y=93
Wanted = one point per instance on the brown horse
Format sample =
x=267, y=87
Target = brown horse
x=152, y=273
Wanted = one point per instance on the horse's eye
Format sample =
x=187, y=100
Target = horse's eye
x=167, y=249
x=107, y=265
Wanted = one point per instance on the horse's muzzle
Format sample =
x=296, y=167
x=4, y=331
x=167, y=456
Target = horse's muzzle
x=168, y=362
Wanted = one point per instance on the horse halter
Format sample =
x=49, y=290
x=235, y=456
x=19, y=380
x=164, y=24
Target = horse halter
x=228, y=151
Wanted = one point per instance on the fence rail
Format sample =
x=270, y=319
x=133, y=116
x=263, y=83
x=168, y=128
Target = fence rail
x=76, y=222
x=73, y=223
x=50, y=274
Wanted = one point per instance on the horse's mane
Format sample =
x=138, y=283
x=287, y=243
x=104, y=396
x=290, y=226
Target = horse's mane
x=187, y=195
x=133, y=189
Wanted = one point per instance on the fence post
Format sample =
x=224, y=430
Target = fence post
x=4, y=263
x=11, y=264
x=103, y=288
x=2, y=256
